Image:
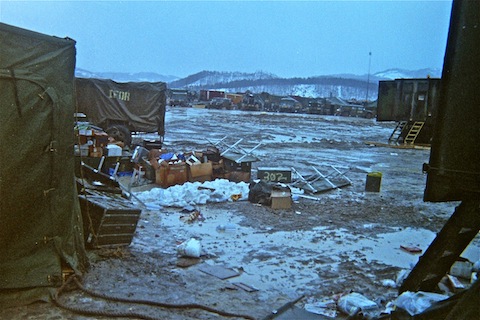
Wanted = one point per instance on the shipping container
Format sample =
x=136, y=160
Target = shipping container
x=407, y=99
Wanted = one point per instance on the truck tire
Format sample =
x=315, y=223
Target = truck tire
x=120, y=133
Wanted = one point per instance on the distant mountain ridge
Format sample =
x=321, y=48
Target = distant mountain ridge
x=347, y=86
x=125, y=77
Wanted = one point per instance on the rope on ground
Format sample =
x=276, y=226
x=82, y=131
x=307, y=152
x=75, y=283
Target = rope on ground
x=82, y=311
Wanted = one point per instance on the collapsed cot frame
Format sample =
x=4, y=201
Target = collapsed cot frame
x=319, y=182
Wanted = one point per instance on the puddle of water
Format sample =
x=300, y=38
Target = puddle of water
x=286, y=259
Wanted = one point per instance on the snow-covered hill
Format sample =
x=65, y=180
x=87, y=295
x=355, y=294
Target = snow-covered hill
x=345, y=86
x=125, y=77
x=402, y=73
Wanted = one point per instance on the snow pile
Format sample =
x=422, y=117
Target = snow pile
x=192, y=193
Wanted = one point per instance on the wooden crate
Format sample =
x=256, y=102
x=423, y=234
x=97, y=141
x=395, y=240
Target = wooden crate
x=108, y=219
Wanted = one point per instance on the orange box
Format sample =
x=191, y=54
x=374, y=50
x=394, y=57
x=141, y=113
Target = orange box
x=173, y=174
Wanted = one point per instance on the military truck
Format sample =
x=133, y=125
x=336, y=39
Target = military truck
x=122, y=108
x=178, y=98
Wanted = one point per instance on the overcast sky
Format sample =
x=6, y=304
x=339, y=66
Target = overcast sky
x=287, y=38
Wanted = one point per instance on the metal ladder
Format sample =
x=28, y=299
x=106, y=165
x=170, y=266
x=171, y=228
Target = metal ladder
x=397, y=132
x=414, y=132
x=446, y=248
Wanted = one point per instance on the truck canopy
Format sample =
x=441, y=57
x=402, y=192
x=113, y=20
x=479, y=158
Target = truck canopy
x=140, y=106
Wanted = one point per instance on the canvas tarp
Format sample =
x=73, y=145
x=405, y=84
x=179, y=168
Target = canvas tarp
x=40, y=219
x=138, y=105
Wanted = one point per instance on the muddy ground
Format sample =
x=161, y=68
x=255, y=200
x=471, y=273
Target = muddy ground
x=344, y=240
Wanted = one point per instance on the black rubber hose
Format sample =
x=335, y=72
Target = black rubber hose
x=135, y=301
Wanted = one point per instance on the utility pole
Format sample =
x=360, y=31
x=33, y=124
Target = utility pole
x=368, y=75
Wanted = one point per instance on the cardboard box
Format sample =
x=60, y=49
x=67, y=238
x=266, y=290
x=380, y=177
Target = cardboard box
x=200, y=172
x=173, y=174
x=101, y=139
x=281, y=199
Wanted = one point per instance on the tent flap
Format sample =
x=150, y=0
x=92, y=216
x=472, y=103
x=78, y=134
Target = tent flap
x=40, y=219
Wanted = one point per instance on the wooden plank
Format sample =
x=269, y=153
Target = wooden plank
x=398, y=146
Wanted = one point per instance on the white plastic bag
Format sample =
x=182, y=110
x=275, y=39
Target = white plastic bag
x=354, y=302
x=417, y=302
x=191, y=248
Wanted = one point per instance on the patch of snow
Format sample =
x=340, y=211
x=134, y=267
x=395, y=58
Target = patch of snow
x=194, y=193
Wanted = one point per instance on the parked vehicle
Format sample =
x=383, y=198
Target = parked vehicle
x=206, y=95
x=220, y=103
x=289, y=105
x=178, y=98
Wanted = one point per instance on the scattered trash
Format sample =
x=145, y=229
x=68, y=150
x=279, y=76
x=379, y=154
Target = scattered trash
x=285, y=308
x=305, y=197
x=236, y=197
x=402, y=275
x=260, y=193
x=206, y=188
x=188, y=208
x=226, y=227
x=389, y=283
x=229, y=286
x=474, y=277
x=152, y=207
x=193, y=216
x=462, y=269
x=326, y=307
x=455, y=284
x=355, y=303
x=245, y=287
x=411, y=249
x=191, y=248
x=218, y=271
x=417, y=302
x=476, y=266
x=185, y=262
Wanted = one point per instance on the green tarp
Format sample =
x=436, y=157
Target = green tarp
x=40, y=219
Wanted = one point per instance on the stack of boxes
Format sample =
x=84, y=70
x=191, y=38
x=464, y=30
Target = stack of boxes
x=90, y=142
x=98, y=148
x=171, y=169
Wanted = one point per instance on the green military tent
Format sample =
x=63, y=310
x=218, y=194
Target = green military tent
x=40, y=221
